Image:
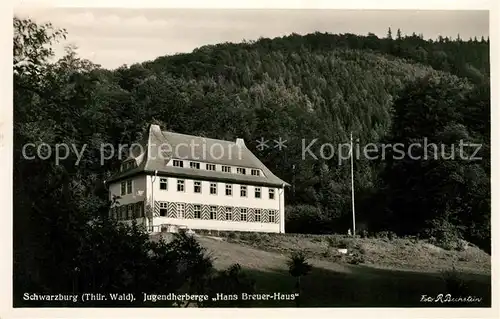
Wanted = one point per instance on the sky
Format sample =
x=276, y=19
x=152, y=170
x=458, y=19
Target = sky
x=113, y=37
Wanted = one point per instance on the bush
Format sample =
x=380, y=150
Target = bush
x=356, y=259
x=455, y=284
x=444, y=234
x=332, y=241
x=360, y=249
x=413, y=239
x=364, y=233
x=462, y=245
x=232, y=236
x=317, y=239
x=306, y=219
x=249, y=236
x=233, y=280
x=386, y=234
x=264, y=237
x=336, y=258
x=298, y=265
x=343, y=243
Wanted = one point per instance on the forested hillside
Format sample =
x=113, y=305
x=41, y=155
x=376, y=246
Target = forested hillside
x=399, y=89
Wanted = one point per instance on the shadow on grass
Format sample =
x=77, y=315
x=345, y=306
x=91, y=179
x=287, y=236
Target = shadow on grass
x=361, y=287
x=367, y=287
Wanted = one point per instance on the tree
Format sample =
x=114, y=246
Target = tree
x=64, y=239
x=233, y=280
x=298, y=87
x=32, y=46
x=389, y=34
x=439, y=184
x=298, y=267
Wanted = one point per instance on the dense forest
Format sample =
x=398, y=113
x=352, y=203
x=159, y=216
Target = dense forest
x=396, y=89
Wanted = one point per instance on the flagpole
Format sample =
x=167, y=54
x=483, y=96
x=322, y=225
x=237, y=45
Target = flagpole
x=352, y=190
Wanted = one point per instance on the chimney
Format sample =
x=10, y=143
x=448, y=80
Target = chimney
x=240, y=142
x=154, y=128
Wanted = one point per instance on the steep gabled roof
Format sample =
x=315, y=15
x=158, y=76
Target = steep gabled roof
x=159, y=147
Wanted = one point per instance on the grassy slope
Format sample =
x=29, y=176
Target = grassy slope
x=393, y=273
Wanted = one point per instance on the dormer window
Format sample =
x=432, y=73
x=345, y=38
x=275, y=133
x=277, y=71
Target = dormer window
x=241, y=170
x=178, y=163
x=126, y=187
x=255, y=172
x=128, y=165
x=194, y=165
x=226, y=169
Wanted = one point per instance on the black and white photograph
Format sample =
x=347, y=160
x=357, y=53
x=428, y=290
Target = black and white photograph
x=251, y=158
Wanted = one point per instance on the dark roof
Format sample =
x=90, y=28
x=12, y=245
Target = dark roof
x=159, y=147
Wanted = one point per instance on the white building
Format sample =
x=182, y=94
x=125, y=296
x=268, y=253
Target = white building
x=199, y=183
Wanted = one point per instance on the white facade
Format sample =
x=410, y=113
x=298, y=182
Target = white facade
x=146, y=189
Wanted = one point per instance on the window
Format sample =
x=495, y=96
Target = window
x=241, y=170
x=257, y=192
x=134, y=211
x=181, y=208
x=257, y=215
x=126, y=187
x=197, y=211
x=197, y=187
x=124, y=212
x=243, y=214
x=255, y=172
x=210, y=167
x=213, y=212
x=180, y=185
x=213, y=188
x=271, y=193
x=229, y=189
x=194, y=165
x=226, y=169
x=163, y=209
x=130, y=212
x=127, y=165
x=178, y=163
x=243, y=191
x=139, y=210
x=163, y=184
x=229, y=213
x=272, y=216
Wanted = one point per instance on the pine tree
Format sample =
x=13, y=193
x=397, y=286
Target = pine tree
x=389, y=34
